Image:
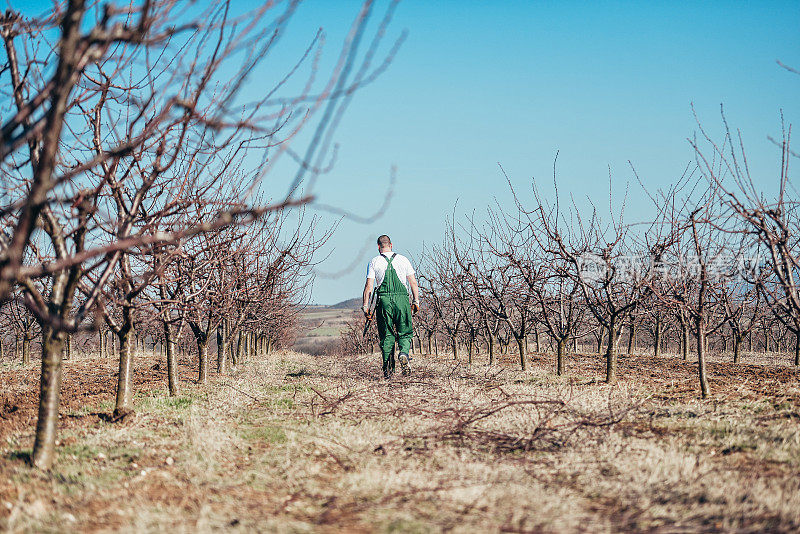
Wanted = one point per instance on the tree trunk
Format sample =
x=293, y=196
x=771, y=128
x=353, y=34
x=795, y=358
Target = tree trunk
x=435, y=346
x=685, y=348
x=632, y=338
x=657, y=342
x=202, y=360
x=470, y=344
x=26, y=349
x=222, y=345
x=454, y=344
x=101, y=350
x=737, y=346
x=490, y=342
x=536, y=338
x=767, y=340
x=600, y=337
x=239, y=348
x=611, y=353
x=168, y=346
x=562, y=342
x=123, y=403
x=67, y=347
x=521, y=348
x=701, y=361
x=49, y=397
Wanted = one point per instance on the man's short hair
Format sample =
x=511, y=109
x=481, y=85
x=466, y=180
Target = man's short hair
x=384, y=240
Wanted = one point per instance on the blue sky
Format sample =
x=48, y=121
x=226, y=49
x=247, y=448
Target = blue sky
x=482, y=83
x=511, y=82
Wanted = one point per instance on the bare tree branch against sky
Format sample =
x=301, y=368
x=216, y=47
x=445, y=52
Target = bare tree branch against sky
x=474, y=84
x=513, y=82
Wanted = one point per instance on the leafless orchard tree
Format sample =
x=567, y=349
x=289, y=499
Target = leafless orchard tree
x=268, y=280
x=107, y=108
x=769, y=219
x=427, y=321
x=696, y=268
x=444, y=288
x=600, y=257
x=742, y=301
x=547, y=276
x=693, y=269
x=500, y=268
x=18, y=319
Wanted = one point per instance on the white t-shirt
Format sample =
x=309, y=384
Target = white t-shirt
x=377, y=268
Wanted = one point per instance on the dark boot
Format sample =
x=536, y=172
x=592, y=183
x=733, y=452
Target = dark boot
x=388, y=367
x=404, y=364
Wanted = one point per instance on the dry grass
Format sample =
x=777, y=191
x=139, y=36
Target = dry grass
x=298, y=443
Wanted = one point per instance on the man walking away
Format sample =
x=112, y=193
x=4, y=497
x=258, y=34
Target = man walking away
x=392, y=275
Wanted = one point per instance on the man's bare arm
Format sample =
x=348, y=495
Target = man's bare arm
x=367, y=291
x=412, y=283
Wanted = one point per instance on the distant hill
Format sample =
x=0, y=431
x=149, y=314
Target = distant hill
x=350, y=304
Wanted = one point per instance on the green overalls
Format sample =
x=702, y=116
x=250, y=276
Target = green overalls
x=393, y=315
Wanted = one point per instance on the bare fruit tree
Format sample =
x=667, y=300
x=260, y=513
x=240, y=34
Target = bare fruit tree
x=770, y=220
x=116, y=118
x=693, y=271
x=598, y=255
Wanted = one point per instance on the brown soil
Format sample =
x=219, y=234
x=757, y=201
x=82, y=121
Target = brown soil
x=85, y=382
x=678, y=379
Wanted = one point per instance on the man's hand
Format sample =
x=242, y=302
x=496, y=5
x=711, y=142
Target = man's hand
x=415, y=307
x=365, y=309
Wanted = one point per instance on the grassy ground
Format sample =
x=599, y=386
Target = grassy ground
x=297, y=444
